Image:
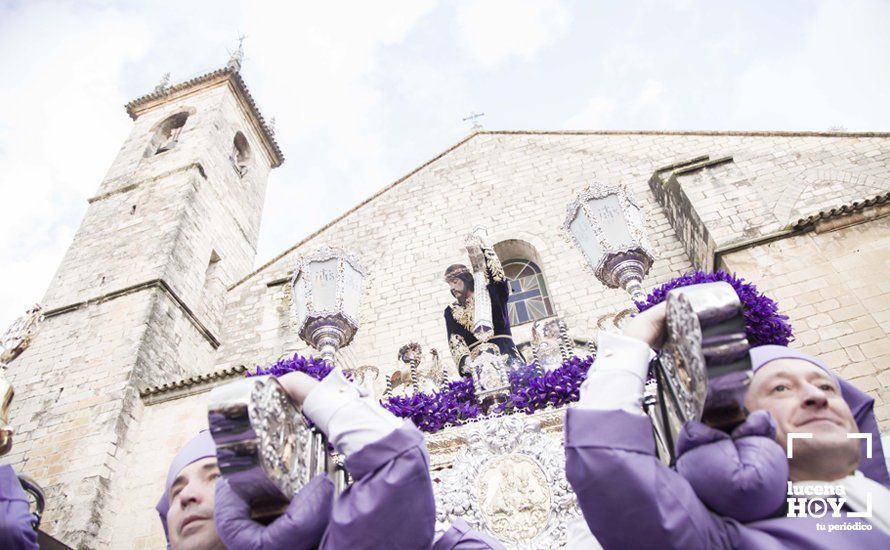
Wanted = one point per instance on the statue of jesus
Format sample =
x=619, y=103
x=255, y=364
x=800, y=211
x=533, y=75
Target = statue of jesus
x=478, y=322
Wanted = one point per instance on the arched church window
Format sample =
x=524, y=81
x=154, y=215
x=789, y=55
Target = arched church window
x=529, y=299
x=166, y=135
x=240, y=155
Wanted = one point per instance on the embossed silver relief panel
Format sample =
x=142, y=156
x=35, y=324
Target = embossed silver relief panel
x=509, y=480
x=264, y=447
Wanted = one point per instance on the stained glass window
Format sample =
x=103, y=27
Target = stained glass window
x=529, y=299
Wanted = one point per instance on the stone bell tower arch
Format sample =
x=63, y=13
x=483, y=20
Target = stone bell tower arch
x=138, y=299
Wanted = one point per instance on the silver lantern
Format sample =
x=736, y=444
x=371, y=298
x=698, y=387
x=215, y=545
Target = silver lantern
x=327, y=292
x=607, y=226
x=703, y=369
x=705, y=358
x=264, y=447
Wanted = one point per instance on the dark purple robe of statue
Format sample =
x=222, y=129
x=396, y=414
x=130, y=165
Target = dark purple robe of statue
x=16, y=532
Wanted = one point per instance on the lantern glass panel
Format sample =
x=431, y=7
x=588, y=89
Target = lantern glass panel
x=299, y=298
x=323, y=279
x=607, y=213
x=586, y=237
x=352, y=291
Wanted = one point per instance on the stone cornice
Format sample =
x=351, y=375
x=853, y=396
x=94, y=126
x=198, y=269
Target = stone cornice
x=872, y=204
x=153, y=283
x=189, y=386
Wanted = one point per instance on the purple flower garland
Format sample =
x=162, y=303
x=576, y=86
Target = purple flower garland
x=456, y=403
x=763, y=322
x=554, y=388
x=315, y=367
x=531, y=390
x=453, y=405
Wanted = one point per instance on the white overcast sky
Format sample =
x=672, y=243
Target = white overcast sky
x=365, y=91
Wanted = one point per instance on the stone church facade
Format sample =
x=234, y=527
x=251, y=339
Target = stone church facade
x=157, y=300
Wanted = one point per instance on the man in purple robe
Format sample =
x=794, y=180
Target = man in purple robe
x=630, y=499
x=389, y=504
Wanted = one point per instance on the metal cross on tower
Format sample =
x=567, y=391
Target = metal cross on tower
x=237, y=58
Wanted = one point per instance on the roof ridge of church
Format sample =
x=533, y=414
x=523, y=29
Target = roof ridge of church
x=351, y=210
x=841, y=211
x=228, y=372
x=726, y=133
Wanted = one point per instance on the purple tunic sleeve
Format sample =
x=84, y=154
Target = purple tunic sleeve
x=299, y=528
x=629, y=498
x=16, y=532
x=390, y=503
x=461, y=537
x=741, y=476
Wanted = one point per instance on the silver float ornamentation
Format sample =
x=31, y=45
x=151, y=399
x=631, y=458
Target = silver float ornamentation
x=490, y=373
x=705, y=357
x=264, y=447
x=18, y=336
x=327, y=291
x=608, y=227
x=551, y=345
x=509, y=480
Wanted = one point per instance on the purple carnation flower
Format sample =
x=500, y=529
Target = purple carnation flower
x=315, y=367
x=430, y=412
x=456, y=403
x=763, y=322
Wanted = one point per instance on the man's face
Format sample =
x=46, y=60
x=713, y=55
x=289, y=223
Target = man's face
x=190, y=519
x=459, y=290
x=803, y=398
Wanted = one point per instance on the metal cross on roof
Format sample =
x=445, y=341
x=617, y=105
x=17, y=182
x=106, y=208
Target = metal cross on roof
x=474, y=119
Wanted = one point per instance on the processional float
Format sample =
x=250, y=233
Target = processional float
x=703, y=369
x=266, y=449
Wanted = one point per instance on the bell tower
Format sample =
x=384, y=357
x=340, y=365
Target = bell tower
x=138, y=299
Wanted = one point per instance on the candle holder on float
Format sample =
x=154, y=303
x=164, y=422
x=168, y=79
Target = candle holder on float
x=266, y=449
x=701, y=373
x=411, y=354
x=327, y=292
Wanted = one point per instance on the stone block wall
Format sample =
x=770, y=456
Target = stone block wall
x=834, y=287
x=131, y=305
x=518, y=184
x=164, y=427
x=73, y=407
